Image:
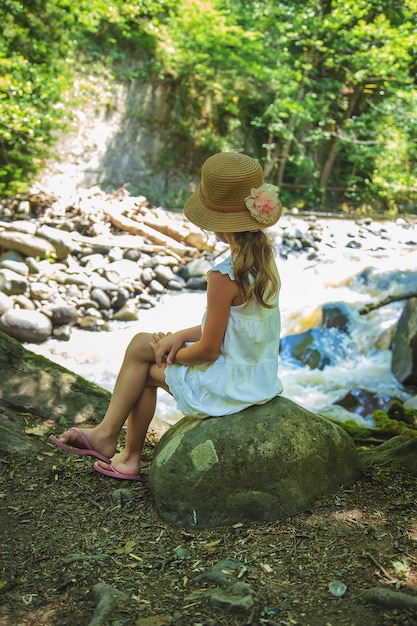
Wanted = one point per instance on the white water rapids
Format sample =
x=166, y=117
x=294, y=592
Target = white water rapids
x=306, y=286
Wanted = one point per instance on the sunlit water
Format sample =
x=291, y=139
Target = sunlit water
x=306, y=286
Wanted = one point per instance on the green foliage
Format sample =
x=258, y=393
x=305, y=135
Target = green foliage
x=42, y=45
x=393, y=426
x=323, y=93
x=397, y=420
x=32, y=79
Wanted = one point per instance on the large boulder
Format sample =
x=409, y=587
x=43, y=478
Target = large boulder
x=264, y=463
x=404, y=345
x=37, y=391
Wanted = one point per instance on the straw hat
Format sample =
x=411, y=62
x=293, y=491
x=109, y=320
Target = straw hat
x=232, y=196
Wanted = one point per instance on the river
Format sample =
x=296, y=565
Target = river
x=331, y=274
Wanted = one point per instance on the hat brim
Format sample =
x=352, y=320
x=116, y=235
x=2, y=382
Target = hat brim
x=223, y=222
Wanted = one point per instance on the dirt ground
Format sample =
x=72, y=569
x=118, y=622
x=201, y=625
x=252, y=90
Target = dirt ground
x=65, y=529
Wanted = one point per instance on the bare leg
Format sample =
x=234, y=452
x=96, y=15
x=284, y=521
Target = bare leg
x=134, y=396
x=129, y=461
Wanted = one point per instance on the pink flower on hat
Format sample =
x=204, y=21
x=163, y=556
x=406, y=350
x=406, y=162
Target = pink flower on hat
x=263, y=203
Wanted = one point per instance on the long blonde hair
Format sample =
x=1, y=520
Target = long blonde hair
x=253, y=267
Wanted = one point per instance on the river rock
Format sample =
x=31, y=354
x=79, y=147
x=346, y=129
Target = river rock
x=337, y=315
x=122, y=269
x=6, y=303
x=196, y=268
x=63, y=315
x=404, y=345
x=29, y=245
x=60, y=239
x=411, y=403
x=363, y=402
x=101, y=298
x=12, y=283
x=18, y=266
x=264, y=463
x=26, y=326
x=316, y=347
x=164, y=274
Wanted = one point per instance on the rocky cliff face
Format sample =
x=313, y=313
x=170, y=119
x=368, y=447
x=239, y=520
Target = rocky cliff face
x=123, y=135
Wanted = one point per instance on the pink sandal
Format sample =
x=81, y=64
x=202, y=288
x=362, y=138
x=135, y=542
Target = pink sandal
x=86, y=449
x=113, y=473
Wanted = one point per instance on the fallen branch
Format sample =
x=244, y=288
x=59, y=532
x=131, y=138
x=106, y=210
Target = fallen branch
x=377, y=305
x=135, y=228
x=389, y=599
x=383, y=570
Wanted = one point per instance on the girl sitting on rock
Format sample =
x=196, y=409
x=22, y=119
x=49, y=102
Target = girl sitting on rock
x=230, y=360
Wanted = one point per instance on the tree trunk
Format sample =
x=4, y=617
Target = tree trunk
x=287, y=145
x=334, y=146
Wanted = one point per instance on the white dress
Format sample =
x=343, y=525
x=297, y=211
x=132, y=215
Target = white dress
x=246, y=370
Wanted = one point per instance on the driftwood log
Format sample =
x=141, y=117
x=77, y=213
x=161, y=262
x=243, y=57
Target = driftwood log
x=156, y=226
x=389, y=599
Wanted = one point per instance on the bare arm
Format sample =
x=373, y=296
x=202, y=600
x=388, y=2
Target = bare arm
x=166, y=345
x=221, y=292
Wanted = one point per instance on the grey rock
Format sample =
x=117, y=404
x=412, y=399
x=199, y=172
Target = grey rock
x=6, y=303
x=404, y=345
x=155, y=287
x=164, y=274
x=115, y=254
x=177, y=284
x=23, y=302
x=11, y=255
x=93, y=323
x=62, y=333
x=121, y=270
x=102, y=299
x=77, y=278
x=19, y=267
x=42, y=291
x=196, y=268
x=147, y=275
x=197, y=283
x=238, y=598
x=60, y=239
x=316, y=347
x=93, y=261
x=128, y=313
x=337, y=315
x=63, y=315
x=121, y=297
x=11, y=282
x=411, y=403
x=267, y=462
x=27, y=244
x=363, y=402
x=107, y=598
x=33, y=265
x=26, y=326
x=100, y=282
x=23, y=226
x=133, y=254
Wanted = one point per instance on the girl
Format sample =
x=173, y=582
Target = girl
x=227, y=363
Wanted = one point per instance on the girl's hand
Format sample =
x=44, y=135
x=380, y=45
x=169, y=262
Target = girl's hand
x=165, y=347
